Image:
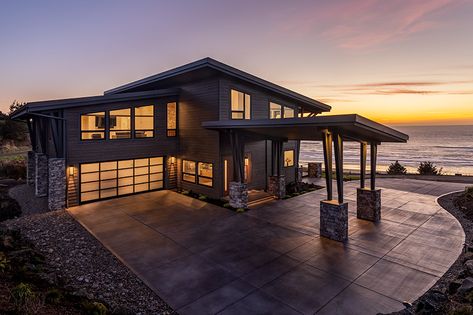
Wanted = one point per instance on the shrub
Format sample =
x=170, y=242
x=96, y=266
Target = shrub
x=3, y=262
x=24, y=298
x=95, y=308
x=9, y=208
x=462, y=310
x=240, y=210
x=396, y=168
x=14, y=169
x=53, y=296
x=202, y=197
x=227, y=205
x=428, y=168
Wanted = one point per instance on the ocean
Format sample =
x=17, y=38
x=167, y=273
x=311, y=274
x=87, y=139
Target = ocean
x=448, y=147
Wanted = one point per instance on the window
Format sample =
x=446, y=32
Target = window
x=288, y=158
x=144, y=121
x=120, y=124
x=172, y=119
x=241, y=105
x=247, y=169
x=188, y=171
x=205, y=174
x=92, y=126
x=277, y=111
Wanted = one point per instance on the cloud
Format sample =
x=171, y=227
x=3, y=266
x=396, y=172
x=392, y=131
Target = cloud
x=364, y=24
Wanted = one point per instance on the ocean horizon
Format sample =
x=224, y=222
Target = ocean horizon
x=449, y=147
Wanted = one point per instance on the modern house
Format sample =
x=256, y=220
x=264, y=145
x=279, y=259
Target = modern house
x=204, y=126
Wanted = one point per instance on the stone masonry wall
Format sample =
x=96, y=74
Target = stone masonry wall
x=238, y=193
x=368, y=204
x=57, y=184
x=277, y=186
x=314, y=170
x=41, y=175
x=31, y=169
x=334, y=220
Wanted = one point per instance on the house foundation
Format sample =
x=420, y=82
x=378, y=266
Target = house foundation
x=238, y=193
x=277, y=186
x=30, y=169
x=368, y=204
x=334, y=220
x=57, y=184
x=41, y=175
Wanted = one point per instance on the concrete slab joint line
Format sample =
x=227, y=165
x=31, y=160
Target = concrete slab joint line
x=368, y=204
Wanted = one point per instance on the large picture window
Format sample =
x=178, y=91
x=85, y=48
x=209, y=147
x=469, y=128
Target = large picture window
x=144, y=121
x=92, y=126
x=171, y=119
x=277, y=111
x=120, y=124
x=288, y=158
x=188, y=171
x=205, y=174
x=241, y=105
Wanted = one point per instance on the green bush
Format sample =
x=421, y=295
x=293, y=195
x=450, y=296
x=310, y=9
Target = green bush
x=396, y=168
x=3, y=262
x=227, y=205
x=202, y=197
x=24, y=298
x=53, y=296
x=428, y=168
x=240, y=210
x=462, y=310
x=95, y=308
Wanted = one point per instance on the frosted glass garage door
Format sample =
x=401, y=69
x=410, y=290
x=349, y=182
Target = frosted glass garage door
x=117, y=178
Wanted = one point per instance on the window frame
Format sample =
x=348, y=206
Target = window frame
x=104, y=131
x=109, y=129
x=172, y=132
x=199, y=176
x=134, y=121
x=293, y=158
x=283, y=110
x=186, y=173
x=245, y=108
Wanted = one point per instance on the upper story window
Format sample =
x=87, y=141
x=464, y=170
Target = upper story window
x=241, y=105
x=171, y=119
x=277, y=111
x=92, y=126
x=144, y=121
x=120, y=124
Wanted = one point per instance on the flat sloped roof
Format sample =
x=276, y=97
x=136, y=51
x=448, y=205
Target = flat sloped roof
x=222, y=68
x=352, y=127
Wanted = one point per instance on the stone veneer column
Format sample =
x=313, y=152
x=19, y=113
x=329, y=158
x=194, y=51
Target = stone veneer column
x=314, y=170
x=277, y=186
x=31, y=169
x=334, y=220
x=57, y=184
x=41, y=175
x=368, y=204
x=238, y=193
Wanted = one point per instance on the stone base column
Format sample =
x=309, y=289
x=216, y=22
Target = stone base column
x=277, y=186
x=238, y=193
x=31, y=168
x=334, y=220
x=368, y=204
x=57, y=184
x=41, y=175
x=299, y=174
x=314, y=170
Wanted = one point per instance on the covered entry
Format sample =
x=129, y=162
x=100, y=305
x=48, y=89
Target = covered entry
x=122, y=177
x=332, y=131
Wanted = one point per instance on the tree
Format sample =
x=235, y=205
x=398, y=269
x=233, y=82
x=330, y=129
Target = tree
x=428, y=168
x=396, y=168
x=11, y=130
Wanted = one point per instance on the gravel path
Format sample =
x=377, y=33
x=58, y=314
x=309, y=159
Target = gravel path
x=29, y=203
x=85, y=265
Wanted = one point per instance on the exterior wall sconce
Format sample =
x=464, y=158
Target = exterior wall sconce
x=71, y=170
x=172, y=160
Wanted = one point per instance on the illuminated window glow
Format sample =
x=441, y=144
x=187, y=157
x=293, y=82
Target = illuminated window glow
x=240, y=105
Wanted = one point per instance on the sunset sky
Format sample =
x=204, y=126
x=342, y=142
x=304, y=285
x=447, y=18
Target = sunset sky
x=396, y=61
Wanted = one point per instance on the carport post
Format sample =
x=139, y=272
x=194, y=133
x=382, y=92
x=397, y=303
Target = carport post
x=374, y=154
x=338, y=142
x=363, y=150
x=368, y=201
x=327, y=147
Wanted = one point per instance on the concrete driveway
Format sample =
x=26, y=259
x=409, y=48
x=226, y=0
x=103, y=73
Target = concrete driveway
x=203, y=259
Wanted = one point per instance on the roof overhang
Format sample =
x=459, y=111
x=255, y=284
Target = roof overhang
x=352, y=128
x=41, y=106
x=219, y=67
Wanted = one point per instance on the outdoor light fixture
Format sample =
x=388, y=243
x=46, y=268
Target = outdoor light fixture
x=71, y=170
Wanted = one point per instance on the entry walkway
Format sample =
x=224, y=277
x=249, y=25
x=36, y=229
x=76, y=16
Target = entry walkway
x=204, y=259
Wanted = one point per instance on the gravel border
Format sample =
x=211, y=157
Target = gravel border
x=85, y=266
x=26, y=198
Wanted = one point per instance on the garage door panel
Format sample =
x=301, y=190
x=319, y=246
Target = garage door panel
x=116, y=178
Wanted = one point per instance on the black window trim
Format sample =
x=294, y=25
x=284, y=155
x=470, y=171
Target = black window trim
x=244, y=104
